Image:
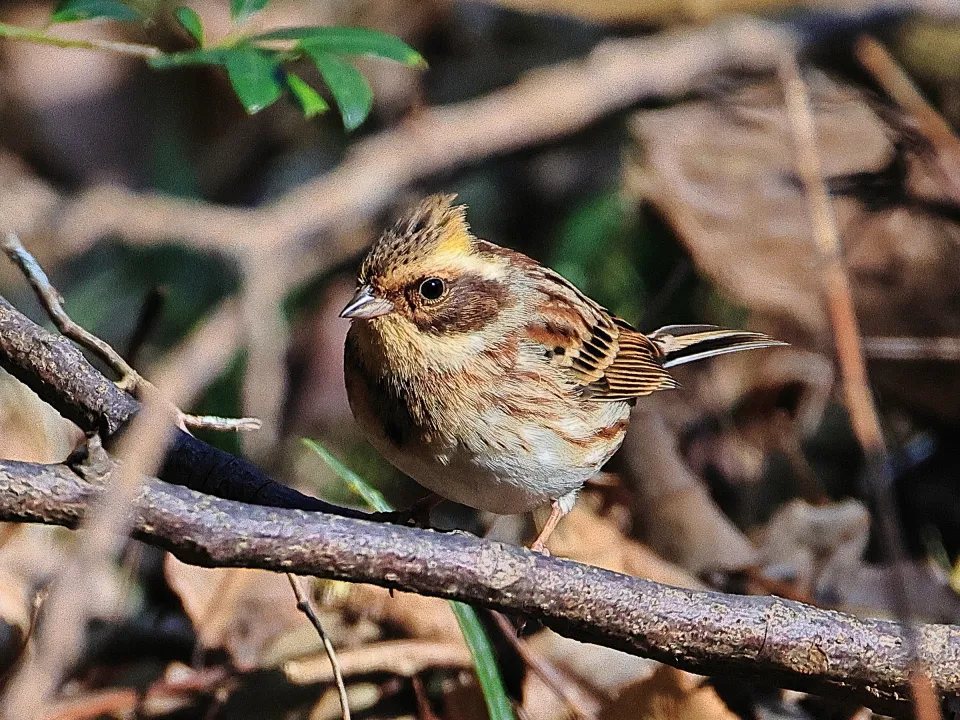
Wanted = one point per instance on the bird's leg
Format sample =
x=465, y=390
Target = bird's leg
x=556, y=512
x=419, y=512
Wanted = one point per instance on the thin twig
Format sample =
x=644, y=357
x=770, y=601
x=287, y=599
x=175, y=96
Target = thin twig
x=545, y=670
x=52, y=301
x=214, y=422
x=913, y=348
x=130, y=379
x=12, y=32
x=304, y=605
x=853, y=369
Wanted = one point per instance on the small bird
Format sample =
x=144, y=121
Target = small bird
x=490, y=379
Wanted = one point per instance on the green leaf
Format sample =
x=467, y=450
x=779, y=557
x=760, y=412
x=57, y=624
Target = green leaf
x=484, y=659
x=72, y=10
x=213, y=56
x=241, y=10
x=254, y=76
x=350, y=89
x=310, y=101
x=369, y=494
x=191, y=22
x=348, y=41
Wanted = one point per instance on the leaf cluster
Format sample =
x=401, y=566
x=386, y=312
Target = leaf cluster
x=259, y=66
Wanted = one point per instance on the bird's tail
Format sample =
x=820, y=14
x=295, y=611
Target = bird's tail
x=688, y=343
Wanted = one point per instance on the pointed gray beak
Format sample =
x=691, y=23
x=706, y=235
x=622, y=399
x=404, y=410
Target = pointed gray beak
x=366, y=305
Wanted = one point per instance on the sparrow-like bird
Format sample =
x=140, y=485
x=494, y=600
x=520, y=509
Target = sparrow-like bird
x=490, y=379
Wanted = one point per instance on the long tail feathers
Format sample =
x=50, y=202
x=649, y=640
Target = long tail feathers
x=689, y=343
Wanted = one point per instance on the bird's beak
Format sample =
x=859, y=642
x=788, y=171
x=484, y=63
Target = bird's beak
x=365, y=305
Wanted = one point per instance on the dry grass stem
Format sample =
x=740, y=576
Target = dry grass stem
x=580, y=706
x=839, y=295
x=850, y=356
x=304, y=605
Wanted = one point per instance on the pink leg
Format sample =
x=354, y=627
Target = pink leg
x=540, y=544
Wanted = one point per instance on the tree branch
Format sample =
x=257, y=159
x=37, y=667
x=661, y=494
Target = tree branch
x=58, y=372
x=785, y=643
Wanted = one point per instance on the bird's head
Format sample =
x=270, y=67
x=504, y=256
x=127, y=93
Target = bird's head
x=428, y=275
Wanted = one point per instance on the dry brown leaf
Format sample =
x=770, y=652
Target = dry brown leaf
x=242, y=611
x=541, y=702
x=669, y=694
x=818, y=547
x=31, y=430
x=721, y=171
x=590, y=538
x=679, y=519
x=605, y=670
x=412, y=615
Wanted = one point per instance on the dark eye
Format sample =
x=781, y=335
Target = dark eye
x=432, y=288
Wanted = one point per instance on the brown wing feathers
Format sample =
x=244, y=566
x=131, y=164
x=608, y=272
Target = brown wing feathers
x=613, y=362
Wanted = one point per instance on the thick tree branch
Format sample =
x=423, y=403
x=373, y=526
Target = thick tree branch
x=766, y=638
x=58, y=372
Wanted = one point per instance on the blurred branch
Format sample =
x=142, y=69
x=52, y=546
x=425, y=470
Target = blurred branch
x=544, y=104
x=912, y=348
x=901, y=89
x=765, y=638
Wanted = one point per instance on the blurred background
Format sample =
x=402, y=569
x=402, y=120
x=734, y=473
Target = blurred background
x=639, y=148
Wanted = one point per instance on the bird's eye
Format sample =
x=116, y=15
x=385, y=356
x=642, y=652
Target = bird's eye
x=432, y=288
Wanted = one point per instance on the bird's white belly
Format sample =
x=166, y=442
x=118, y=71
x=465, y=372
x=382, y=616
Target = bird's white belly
x=497, y=472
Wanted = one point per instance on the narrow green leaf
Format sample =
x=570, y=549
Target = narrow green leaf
x=369, y=494
x=72, y=10
x=484, y=659
x=254, y=76
x=191, y=22
x=241, y=10
x=349, y=88
x=213, y=56
x=310, y=101
x=348, y=41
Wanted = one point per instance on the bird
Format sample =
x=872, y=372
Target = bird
x=489, y=378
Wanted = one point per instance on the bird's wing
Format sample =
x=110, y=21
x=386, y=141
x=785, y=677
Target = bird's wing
x=606, y=358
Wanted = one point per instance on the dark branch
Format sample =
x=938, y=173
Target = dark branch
x=58, y=372
x=765, y=638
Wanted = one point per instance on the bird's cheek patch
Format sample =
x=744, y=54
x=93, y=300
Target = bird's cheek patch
x=472, y=304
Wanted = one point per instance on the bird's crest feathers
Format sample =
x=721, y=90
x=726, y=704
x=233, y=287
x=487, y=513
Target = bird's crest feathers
x=432, y=230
